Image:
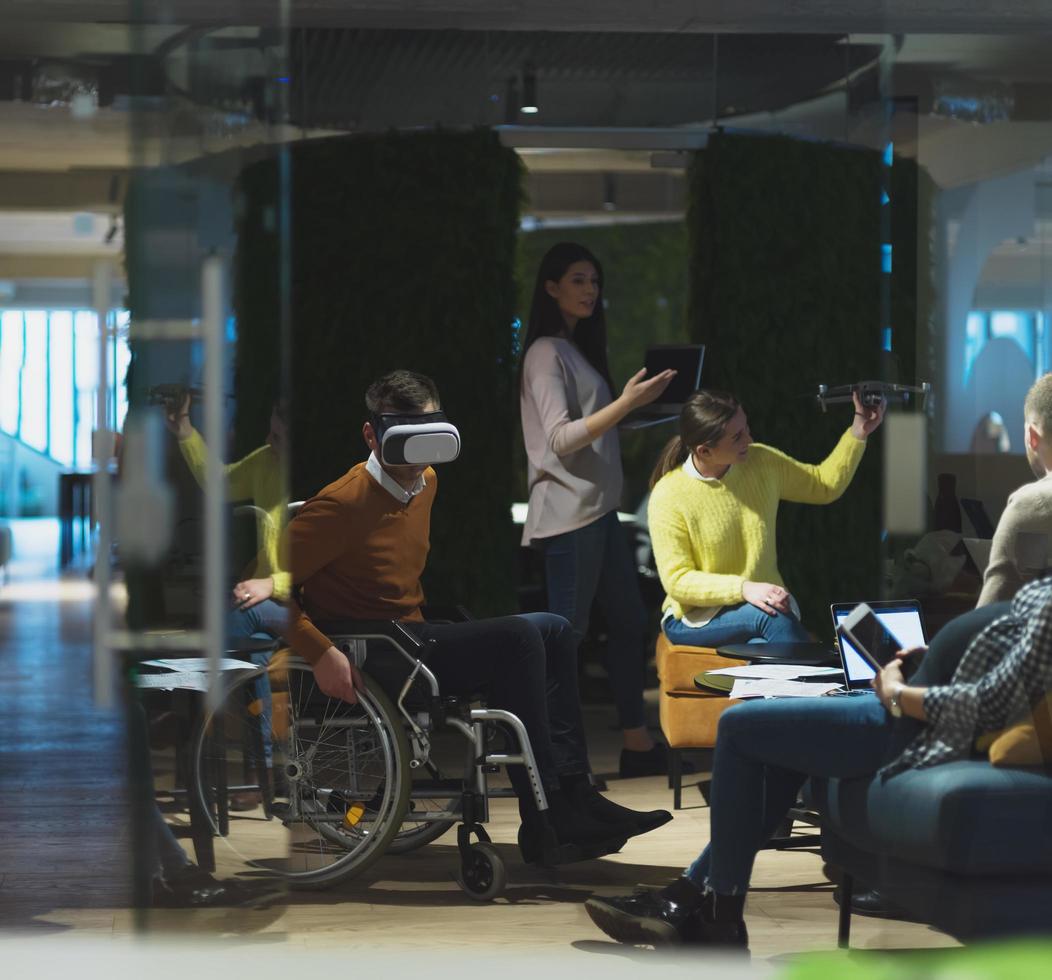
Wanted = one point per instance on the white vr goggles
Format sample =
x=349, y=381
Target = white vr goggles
x=416, y=440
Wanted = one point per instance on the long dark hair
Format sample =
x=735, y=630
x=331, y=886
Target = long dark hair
x=702, y=421
x=546, y=320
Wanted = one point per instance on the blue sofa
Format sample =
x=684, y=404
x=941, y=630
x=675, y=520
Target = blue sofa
x=965, y=846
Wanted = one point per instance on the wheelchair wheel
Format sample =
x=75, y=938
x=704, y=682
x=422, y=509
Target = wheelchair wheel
x=482, y=875
x=339, y=783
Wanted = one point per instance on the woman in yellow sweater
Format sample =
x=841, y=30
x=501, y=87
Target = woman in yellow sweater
x=712, y=515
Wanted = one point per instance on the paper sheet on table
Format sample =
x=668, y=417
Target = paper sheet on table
x=773, y=671
x=174, y=681
x=186, y=664
x=748, y=687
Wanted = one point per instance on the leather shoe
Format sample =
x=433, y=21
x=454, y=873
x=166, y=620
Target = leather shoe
x=645, y=918
x=651, y=918
x=190, y=887
x=872, y=903
x=584, y=796
x=653, y=762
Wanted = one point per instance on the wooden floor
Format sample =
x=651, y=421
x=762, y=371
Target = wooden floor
x=65, y=857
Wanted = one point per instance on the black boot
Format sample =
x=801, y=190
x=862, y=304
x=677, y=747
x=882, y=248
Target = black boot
x=584, y=796
x=720, y=922
x=677, y=914
x=652, y=762
x=662, y=917
x=564, y=834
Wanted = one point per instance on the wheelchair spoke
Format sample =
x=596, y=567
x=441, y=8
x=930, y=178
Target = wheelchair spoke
x=340, y=777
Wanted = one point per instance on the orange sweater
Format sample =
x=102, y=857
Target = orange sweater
x=357, y=553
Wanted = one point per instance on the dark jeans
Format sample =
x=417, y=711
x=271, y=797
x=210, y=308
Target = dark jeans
x=523, y=664
x=595, y=562
x=766, y=749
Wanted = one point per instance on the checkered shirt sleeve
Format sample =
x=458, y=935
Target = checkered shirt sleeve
x=1004, y=671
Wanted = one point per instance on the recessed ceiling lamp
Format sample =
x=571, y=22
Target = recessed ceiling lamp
x=529, y=91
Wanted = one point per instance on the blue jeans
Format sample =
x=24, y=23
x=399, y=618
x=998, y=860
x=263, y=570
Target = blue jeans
x=764, y=752
x=744, y=623
x=266, y=619
x=594, y=562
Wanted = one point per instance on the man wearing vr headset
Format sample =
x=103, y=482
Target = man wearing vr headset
x=358, y=549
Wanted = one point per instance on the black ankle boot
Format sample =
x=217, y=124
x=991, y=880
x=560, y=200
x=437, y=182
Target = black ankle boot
x=565, y=833
x=720, y=922
x=664, y=917
x=677, y=914
x=652, y=762
x=584, y=796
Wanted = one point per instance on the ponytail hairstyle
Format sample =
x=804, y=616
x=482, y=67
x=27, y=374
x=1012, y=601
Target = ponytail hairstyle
x=702, y=421
x=546, y=320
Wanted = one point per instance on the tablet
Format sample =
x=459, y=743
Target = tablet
x=686, y=361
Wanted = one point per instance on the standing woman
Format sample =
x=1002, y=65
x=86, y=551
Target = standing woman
x=569, y=424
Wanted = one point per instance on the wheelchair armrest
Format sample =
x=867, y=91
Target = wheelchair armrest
x=391, y=629
x=446, y=614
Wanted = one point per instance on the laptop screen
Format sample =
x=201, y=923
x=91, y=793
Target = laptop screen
x=903, y=621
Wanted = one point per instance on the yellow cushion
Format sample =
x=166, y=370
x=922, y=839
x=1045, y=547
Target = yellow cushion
x=689, y=716
x=678, y=665
x=1026, y=743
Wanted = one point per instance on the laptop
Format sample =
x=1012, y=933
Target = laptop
x=903, y=619
x=976, y=512
x=686, y=359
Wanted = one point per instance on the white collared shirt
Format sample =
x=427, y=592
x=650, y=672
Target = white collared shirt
x=692, y=471
x=393, y=487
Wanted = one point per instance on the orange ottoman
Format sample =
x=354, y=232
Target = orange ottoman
x=688, y=715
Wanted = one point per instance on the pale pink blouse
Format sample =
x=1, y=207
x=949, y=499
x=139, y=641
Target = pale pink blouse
x=573, y=479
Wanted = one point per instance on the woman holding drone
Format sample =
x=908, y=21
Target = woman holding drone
x=712, y=514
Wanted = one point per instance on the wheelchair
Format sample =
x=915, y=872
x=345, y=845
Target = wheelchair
x=347, y=783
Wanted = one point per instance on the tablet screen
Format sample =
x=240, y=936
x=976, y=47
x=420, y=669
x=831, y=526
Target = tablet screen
x=686, y=360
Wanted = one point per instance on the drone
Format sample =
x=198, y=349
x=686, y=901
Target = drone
x=872, y=393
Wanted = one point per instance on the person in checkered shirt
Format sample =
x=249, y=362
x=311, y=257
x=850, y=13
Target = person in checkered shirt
x=983, y=671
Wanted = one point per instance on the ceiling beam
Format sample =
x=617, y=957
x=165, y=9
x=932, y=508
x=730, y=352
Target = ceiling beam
x=697, y=16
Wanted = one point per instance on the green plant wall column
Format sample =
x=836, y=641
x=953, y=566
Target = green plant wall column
x=785, y=289
x=402, y=251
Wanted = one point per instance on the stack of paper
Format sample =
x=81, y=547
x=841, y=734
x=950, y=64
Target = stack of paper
x=777, y=671
x=749, y=687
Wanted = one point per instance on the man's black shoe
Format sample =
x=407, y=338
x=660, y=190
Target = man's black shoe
x=872, y=903
x=192, y=888
x=584, y=796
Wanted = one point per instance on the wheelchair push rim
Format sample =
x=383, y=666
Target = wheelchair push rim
x=337, y=790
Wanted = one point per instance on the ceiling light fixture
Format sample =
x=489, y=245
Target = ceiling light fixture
x=529, y=91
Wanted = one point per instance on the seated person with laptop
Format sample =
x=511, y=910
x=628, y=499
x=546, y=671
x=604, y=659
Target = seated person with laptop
x=982, y=671
x=713, y=512
x=358, y=549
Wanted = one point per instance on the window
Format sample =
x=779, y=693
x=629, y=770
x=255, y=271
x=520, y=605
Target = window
x=1026, y=327
x=49, y=375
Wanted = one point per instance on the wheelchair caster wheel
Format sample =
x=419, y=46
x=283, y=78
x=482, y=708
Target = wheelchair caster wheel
x=482, y=875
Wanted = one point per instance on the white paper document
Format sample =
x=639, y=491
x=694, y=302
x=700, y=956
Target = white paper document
x=775, y=671
x=187, y=664
x=174, y=681
x=748, y=687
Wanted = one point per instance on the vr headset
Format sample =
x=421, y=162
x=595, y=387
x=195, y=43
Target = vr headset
x=416, y=440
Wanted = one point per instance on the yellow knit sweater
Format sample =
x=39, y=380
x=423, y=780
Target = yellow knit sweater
x=259, y=478
x=711, y=536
